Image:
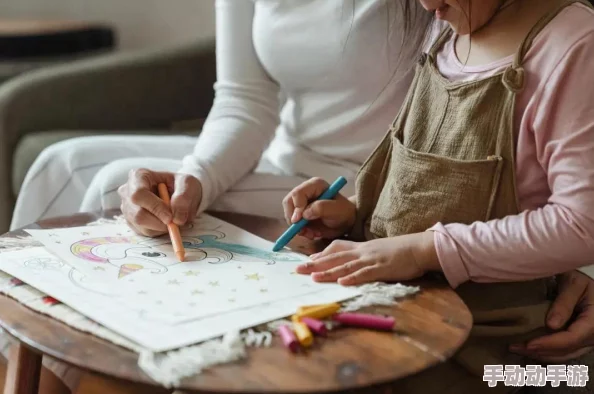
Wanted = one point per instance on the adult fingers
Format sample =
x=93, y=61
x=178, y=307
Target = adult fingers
x=149, y=225
x=552, y=357
x=326, y=263
x=577, y=335
x=145, y=222
x=333, y=274
x=185, y=199
x=570, y=293
x=142, y=188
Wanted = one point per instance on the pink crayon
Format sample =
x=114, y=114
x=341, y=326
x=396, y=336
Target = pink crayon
x=288, y=337
x=316, y=326
x=363, y=320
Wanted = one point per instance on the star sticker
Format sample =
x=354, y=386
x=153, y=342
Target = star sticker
x=174, y=282
x=214, y=283
x=142, y=292
x=253, y=277
x=197, y=292
x=191, y=273
x=263, y=290
x=98, y=269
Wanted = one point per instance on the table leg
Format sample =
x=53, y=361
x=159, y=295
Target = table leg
x=24, y=370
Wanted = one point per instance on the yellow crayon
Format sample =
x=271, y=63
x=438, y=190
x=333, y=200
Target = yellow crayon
x=302, y=309
x=304, y=335
x=320, y=311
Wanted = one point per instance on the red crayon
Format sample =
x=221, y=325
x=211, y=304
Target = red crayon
x=316, y=326
x=363, y=320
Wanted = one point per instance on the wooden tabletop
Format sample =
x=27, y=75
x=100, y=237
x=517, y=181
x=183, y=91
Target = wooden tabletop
x=431, y=326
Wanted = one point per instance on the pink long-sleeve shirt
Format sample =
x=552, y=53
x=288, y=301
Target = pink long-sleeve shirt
x=554, y=124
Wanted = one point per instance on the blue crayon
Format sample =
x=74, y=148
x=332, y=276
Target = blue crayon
x=295, y=228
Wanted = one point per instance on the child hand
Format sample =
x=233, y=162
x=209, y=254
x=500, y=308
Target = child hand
x=328, y=218
x=380, y=260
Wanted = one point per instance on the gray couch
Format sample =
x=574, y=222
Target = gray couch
x=145, y=92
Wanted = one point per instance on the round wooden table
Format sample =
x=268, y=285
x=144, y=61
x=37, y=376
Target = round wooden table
x=431, y=326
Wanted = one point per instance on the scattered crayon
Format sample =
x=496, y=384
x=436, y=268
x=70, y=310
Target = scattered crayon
x=303, y=333
x=320, y=311
x=288, y=337
x=315, y=326
x=363, y=320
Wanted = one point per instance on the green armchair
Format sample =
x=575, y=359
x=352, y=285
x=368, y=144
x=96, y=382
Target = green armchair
x=143, y=92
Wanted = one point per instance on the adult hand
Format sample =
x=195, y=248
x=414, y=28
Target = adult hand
x=327, y=218
x=575, y=299
x=384, y=259
x=146, y=213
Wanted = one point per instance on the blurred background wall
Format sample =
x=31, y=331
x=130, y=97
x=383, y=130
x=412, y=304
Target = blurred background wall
x=139, y=23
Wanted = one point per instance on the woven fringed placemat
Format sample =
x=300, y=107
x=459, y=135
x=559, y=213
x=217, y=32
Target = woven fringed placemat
x=170, y=368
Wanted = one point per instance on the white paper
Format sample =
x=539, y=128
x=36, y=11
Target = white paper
x=42, y=270
x=134, y=285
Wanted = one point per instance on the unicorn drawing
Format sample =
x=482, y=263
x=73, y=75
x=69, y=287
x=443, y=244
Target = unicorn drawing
x=131, y=253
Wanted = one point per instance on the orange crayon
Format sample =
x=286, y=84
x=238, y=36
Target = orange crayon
x=176, y=240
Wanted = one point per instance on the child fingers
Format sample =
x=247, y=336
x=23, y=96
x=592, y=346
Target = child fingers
x=333, y=274
x=326, y=263
x=304, y=193
x=367, y=274
x=338, y=246
x=307, y=233
x=324, y=209
x=288, y=207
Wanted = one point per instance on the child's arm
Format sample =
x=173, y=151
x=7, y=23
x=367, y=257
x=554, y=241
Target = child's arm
x=559, y=236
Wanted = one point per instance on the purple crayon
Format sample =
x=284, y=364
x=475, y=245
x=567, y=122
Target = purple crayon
x=363, y=320
x=316, y=326
x=288, y=337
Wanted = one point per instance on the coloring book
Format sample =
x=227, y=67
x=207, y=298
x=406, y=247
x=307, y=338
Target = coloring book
x=135, y=286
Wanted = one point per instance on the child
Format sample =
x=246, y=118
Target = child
x=493, y=151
